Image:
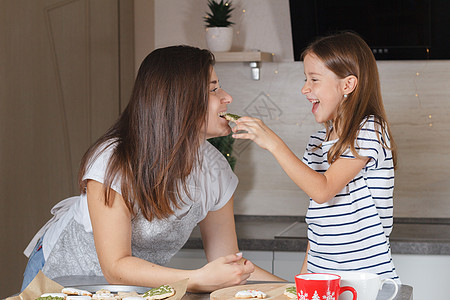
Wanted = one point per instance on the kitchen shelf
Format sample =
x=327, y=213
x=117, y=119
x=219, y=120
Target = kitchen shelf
x=254, y=58
x=249, y=56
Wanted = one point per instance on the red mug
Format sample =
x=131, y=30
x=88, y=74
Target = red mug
x=320, y=286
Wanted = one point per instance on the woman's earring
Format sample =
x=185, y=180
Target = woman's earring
x=345, y=95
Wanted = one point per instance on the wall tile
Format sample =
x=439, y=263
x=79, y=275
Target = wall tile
x=420, y=125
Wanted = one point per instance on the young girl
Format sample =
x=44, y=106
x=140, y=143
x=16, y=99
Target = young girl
x=147, y=182
x=348, y=168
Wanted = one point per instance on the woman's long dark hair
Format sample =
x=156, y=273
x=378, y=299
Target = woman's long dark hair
x=347, y=54
x=159, y=133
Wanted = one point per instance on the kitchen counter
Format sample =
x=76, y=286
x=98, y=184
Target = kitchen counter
x=285, y=233
x=405, y=292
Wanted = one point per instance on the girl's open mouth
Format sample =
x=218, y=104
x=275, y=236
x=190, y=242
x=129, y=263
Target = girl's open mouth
x=315, y=104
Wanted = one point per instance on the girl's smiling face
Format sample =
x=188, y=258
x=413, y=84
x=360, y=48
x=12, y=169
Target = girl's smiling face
x=323, y=88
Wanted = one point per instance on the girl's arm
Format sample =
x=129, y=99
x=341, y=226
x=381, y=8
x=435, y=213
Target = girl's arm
x=219, y=239
x=112, y=236
x=319, y=187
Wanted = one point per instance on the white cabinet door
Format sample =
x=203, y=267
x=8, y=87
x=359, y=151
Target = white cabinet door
x=263, y=259
x=287, y=264
x=427, y=274
x=189, y=259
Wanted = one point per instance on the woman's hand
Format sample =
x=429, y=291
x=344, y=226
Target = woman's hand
x=220, y=273
x=219, y=240
x=258, y=132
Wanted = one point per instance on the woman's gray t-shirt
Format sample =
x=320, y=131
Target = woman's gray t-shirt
x=70, y=242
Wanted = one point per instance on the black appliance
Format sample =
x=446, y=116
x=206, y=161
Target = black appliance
x=394, y=29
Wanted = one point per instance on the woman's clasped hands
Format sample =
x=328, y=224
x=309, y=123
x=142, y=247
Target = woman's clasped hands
x=223, y=272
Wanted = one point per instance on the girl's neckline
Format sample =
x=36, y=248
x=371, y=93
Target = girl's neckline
x=330, y=142
x=333, y=137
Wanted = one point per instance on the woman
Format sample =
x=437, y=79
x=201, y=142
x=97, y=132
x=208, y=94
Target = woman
x=148, y=181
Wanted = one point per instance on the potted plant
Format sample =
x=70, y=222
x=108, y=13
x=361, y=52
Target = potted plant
x=219, y=34
x=225, y=145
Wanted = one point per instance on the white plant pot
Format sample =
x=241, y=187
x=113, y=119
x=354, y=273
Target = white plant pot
x=219, y=39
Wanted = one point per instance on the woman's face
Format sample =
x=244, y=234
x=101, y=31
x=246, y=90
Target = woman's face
x=218, y=101
x=322, y=88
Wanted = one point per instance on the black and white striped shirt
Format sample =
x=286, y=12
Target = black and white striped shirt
x=351, y=231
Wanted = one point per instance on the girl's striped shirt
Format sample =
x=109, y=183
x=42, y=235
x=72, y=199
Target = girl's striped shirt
x=351, y=231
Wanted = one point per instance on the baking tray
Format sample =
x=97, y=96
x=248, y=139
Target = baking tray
x=113, y=288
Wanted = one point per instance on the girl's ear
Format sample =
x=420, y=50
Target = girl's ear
x=350, y=83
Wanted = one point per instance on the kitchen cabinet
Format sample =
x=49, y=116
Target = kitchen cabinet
x=263, y=259
x=190, y=259
x=287, y=264
x=428, y=274
x=282, y=264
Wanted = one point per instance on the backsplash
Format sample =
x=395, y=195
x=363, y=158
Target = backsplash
x=416, y=97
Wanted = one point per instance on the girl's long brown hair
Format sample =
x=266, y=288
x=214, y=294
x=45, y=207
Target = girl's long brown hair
x=348, y=54
x=158, y=135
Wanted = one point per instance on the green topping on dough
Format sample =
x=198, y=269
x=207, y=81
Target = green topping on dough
x=164, y=289
x=50, y=298
x=233, y=116
x=229, y=117
x=291, y=289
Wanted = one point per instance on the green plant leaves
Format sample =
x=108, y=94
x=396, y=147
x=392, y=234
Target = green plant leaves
x=219, y=15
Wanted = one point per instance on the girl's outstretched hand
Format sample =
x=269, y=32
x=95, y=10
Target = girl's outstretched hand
x=256, y=131
x=223, y=272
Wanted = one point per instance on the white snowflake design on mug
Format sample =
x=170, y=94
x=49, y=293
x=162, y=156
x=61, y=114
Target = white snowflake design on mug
x=304, y=296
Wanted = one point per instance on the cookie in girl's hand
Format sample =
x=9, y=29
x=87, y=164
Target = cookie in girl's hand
x=229, y=117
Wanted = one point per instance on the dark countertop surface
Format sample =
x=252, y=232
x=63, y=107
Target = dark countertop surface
x=287, y=233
